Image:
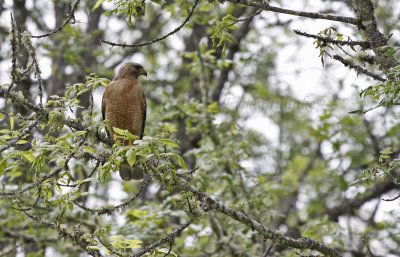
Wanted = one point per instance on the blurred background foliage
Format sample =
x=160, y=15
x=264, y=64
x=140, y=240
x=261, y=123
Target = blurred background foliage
x=302, y=165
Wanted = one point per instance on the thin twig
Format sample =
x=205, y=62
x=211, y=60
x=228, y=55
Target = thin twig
x=358, y=69
x=108, y=247
x=369, y=250
x=265, y=6
x=168, y=238
x=268, y=250
x=110, y=210
x=157, y=39
x=69, y=18
x=391, y=199
x=251, y=17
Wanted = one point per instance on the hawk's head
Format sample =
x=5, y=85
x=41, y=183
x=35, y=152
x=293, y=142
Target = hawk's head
x=131, y=69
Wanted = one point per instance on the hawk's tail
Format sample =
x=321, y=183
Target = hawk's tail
x=127, y=172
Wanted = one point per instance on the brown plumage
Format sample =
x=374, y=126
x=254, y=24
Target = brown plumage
x=124, y=106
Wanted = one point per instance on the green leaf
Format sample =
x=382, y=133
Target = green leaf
x=119, y=131
x=88, y=149
x=213, y=108
x=3, y=165
x=387, y=150
x=131, y=157
x=357, y=111
x=120, y=241
x=165, y=251
x=12, y=121
x=169, y=143
x=134, y=243
x=97, y=4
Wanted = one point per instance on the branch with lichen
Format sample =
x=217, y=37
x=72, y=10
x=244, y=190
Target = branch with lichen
x=357, y=68
x=76, y=236
x=263, y=5
x=367, y=25
x=352, y=43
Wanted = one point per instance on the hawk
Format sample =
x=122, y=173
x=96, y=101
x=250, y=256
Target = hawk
x=124, y=106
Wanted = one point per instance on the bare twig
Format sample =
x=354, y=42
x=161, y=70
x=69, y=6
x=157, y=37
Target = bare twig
x=358, y=69
x=110, y=210
x=268, y=250
x=69, y=18
x=157, y=39
x=264, y=6
x=366, y=245
x=392, y=199
x=251, y=17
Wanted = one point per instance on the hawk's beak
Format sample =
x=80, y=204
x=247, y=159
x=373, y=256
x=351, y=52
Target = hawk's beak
x=143, y=72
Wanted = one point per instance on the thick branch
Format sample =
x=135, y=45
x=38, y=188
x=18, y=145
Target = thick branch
x=348, y=206
x=209, y=203
x=43, y=113
x=76, y=237
x=366, y=14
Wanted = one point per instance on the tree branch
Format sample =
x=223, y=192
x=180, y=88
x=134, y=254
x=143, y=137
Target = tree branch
x=168, y=238
x=363, y=44
x=265, y=6
x=209, y=203
x=76, y=236
x=110, y=210
x=24, y=132
x=366, y=15
x=69, y=18
x=348, y=206
x=157, y=39
x=358, y=69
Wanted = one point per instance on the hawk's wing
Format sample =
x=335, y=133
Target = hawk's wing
x=103, y=108
x=144, y=116
x=103, y=111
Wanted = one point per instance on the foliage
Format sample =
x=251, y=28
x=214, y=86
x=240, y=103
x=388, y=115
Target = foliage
x=310, y=182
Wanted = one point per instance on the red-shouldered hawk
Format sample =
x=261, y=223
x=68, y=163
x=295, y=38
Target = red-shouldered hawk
x=124, y=106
